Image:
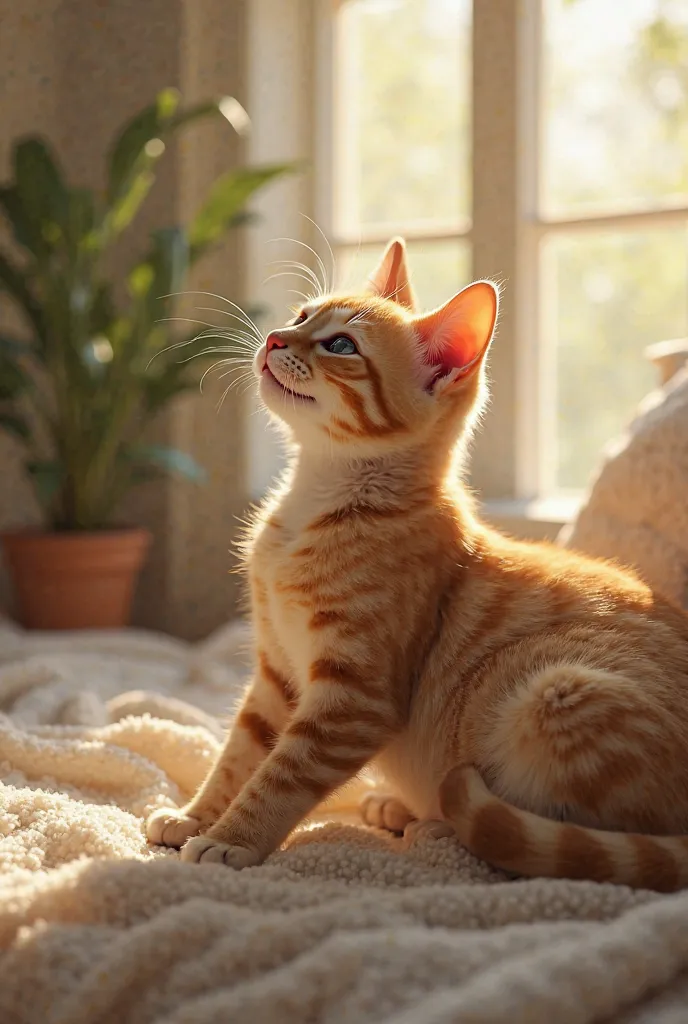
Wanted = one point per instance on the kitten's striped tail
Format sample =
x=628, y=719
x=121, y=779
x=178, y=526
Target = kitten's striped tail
x=527, y=844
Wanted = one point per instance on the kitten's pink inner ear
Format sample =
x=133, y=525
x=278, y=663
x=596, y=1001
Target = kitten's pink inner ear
x=390, y=279
x=457, y=335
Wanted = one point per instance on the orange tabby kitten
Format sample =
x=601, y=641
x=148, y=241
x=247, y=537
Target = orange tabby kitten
x=531, y=700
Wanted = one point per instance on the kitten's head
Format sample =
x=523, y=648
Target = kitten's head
x=366, y=374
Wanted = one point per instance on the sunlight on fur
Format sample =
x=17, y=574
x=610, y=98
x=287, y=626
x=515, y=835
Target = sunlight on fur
x=528, y=700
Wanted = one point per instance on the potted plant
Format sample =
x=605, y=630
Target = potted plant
x=79, y=388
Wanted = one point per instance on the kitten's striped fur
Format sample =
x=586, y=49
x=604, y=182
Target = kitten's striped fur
x=531, y=699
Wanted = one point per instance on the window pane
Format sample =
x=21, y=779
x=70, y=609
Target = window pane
x=438, y=269
x=614, y=294
x=404, y=82
x=615, y=91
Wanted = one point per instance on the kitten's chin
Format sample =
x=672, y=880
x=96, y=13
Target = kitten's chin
x=287, y=406
x=276, y=395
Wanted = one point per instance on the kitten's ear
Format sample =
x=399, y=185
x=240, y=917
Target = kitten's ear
x=456, y=336
x=390, y=279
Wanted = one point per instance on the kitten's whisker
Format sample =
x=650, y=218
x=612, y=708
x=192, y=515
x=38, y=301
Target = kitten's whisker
x=237, y=361
x=295, y=291
x=250, y=323
x=187, y=341
x=217, y=348
x=329, y=248
x=222, y=399
x=241, y=363
x=390, y=297
x=353, y=263
x=323, y=289
x=237, y=344
x=300, y=266
x=247, y=339
x=215, y=366
x=396, y=291
x=223, y=312
x=213, y=295
x=255, y=334
x=232, y=384
x=188, y=320
x=359, y=317
x=233, y=369
x=291, y=273
x=249, y=384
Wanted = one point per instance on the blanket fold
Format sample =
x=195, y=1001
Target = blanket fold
x=344, y=925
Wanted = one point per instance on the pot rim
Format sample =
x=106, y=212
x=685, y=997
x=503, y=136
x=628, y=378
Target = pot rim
x=38, y=532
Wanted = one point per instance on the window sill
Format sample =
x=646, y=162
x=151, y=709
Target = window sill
x=533, y=519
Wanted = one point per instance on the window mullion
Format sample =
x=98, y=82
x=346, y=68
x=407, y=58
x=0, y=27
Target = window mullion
x=496, y=40
x=535, y=370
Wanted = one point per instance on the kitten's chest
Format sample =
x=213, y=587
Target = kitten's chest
x=285, y=572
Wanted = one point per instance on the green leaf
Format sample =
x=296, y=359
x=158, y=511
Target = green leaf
x=128, y=149
x=141, y=143
x=161, y=274
x=243, y=218
x=16, y=284
x=140, y=280
x=14, y=425
x=227, y=106
x=13, y=347
x=13, y=380
x=103, y=314
x=169, y=460
x=37, y=171
x=47, y=478
x=23, y=229
x=81, y=220
x=41, y=191
x=126, y=209
x=170, y=261
x=226, y=201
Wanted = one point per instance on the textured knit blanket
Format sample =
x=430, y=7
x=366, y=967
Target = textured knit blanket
x=343, y=926
x=637, y=508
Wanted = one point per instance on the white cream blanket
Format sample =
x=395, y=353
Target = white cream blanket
x=342, y=927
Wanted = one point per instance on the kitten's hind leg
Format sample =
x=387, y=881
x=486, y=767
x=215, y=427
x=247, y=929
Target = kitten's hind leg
x=380, y=810
x=428, y=828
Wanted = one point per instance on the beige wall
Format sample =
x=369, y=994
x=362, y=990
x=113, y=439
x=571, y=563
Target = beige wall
x=74, y=69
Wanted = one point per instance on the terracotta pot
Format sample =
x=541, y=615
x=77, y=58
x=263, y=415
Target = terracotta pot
x=75, y=580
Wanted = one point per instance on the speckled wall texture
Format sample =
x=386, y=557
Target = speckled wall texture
x=75, y=69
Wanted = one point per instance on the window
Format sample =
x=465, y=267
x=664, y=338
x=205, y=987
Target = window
x=400, y=137
x=542, y=142
x=613, y=211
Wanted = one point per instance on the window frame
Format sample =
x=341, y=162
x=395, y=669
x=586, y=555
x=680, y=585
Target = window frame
x=538, y=414
x=330, y=152
x=494, y=205
x=512, y=467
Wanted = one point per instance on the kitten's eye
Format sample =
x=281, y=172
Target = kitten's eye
x=340, y=346
x=303, y=315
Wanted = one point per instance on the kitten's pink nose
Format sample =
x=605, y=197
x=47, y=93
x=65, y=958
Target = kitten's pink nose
x=274, y=341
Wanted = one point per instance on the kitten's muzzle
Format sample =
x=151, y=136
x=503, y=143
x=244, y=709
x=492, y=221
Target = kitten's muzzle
x=275, y=339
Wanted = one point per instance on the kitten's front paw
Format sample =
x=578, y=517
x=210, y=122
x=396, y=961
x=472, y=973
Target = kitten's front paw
x=382, y=811
x=203, y=850
x=171, y=827
x=428, y=829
